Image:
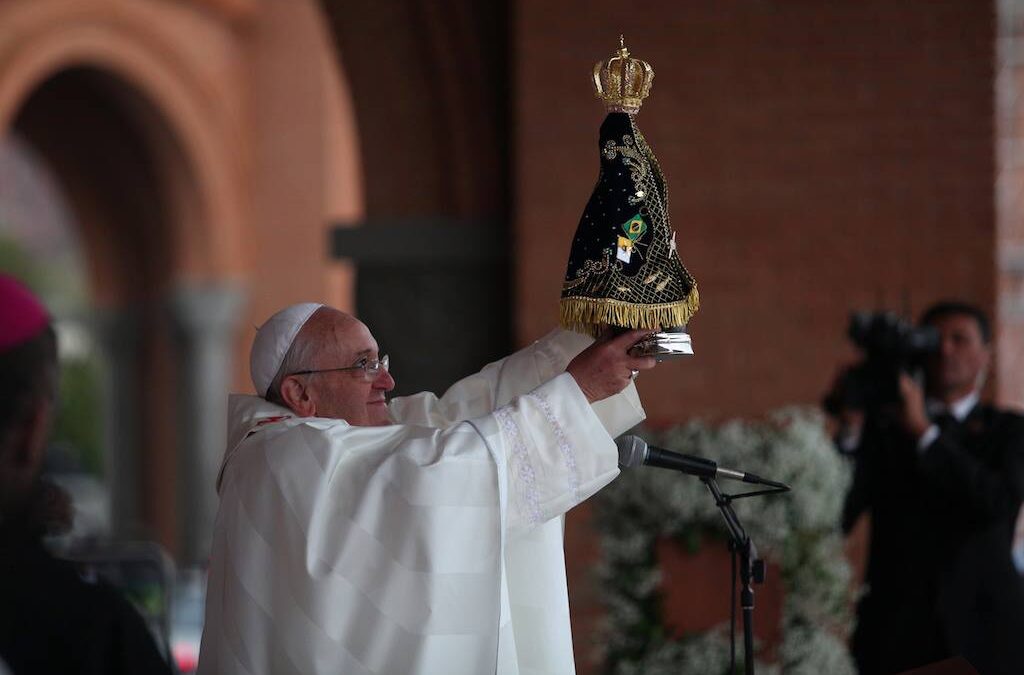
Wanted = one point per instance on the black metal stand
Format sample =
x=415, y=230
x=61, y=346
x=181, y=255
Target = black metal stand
x=752, y=569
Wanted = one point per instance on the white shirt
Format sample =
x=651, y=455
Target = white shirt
x=959, y=409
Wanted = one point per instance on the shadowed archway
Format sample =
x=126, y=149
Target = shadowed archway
x=136, y=200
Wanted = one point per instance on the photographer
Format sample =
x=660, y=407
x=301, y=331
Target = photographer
x=942, y=477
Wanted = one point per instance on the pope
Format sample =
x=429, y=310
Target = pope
x=423, y=534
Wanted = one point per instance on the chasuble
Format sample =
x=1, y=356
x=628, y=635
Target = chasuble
x=433, y=546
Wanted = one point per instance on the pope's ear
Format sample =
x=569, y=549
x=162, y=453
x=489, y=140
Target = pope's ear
x=293, y=392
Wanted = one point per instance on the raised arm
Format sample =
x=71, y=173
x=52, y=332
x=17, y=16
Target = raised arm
x=499, y=382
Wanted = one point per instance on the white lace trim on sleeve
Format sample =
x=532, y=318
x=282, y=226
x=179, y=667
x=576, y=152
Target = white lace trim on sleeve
x=520, y=466
x=568, y=453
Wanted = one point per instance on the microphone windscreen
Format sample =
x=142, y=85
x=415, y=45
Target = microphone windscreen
x=632, y=451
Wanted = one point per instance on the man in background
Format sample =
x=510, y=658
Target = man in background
x=51, y=621
x=942, y=476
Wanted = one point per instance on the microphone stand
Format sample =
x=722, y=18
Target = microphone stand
x=752, y=568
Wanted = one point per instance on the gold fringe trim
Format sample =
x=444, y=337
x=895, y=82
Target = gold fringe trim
x=588, y=315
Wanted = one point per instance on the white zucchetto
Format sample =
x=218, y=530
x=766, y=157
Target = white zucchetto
x=272, y=341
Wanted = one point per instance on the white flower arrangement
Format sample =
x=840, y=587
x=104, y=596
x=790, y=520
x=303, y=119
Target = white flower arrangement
x=797, y=530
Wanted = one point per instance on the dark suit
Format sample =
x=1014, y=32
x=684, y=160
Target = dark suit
x=51, y=621
x=941, y=579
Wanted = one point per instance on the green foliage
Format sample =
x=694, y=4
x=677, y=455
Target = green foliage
x=78, y=425
x=56, y=279
x=16, y=262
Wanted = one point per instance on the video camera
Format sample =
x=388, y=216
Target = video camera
x=891, y=345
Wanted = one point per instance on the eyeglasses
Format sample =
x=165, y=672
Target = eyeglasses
x=371, y=367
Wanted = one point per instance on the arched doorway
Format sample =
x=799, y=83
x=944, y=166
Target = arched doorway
x=243, y=127
x=139, y=208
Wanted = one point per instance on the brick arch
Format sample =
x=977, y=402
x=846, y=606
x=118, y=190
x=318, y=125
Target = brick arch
x=242, y=130
x=158, y=102
x=187, y=117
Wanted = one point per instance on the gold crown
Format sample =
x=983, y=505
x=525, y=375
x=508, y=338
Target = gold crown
x=622, y=82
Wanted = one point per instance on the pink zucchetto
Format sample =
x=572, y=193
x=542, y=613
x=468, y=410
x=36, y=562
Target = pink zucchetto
x=22, y=316
x=273, y=340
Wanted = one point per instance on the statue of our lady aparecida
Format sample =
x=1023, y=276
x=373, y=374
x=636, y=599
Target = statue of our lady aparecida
x=624, y=269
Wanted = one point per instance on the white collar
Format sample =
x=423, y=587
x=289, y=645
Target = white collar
x=959, y=409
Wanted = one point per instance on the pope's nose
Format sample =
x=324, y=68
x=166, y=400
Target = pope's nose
x=384, y=381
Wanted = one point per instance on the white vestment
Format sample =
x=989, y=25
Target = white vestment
x=433, y=546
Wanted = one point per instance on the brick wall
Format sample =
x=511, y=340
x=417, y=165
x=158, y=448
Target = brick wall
x=1009, y=211
x=821, y=157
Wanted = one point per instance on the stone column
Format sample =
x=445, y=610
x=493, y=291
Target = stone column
x=116, y=332
x=204, y=318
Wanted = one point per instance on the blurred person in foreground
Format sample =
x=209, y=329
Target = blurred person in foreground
x=942, y=476
x=51, y=621
x=416, y=535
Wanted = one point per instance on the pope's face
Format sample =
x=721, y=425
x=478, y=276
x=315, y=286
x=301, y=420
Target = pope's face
x=350, y=395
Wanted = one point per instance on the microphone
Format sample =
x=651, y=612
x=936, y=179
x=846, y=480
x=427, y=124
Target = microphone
x=633, y=451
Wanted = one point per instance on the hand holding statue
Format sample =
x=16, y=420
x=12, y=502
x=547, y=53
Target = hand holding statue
x=605, y=368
